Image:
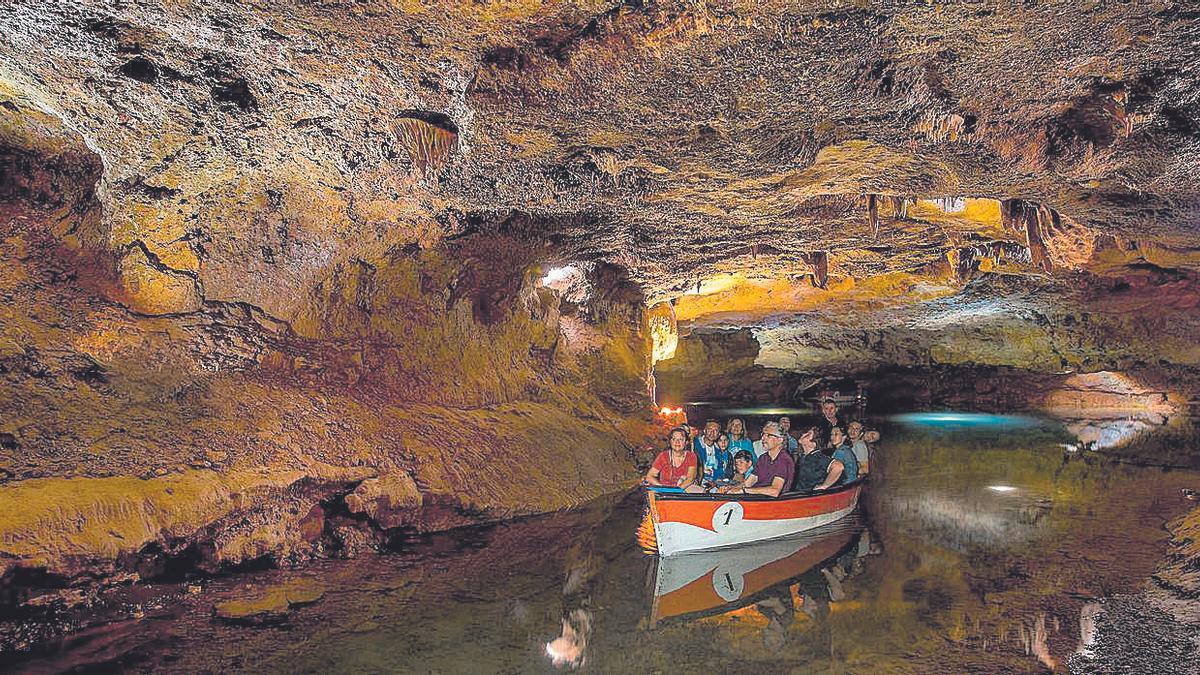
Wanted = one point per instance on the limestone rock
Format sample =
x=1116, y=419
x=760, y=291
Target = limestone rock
x=270, y=606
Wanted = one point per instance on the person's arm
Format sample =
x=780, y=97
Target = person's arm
x=652, y=476
x=689, y=478
x=749, y=482
x=772, y=490
x=835, y=472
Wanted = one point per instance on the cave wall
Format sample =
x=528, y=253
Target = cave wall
x=264, y=259
x=422, y=389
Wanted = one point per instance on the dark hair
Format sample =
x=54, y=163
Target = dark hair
x=817, y=436
x=744, y=454
x=681, y=430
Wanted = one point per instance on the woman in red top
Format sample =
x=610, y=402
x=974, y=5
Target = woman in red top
x=675, y=467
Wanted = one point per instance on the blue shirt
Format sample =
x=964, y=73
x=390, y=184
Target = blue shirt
x=793, y=445
x=720, y=462
x=741, y=444
x=845, y=455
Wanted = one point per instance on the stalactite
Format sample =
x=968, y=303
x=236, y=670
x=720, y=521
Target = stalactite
x=873, y=214
x=1036, y=222
x=819, y=261
x=429, y=145
x=963, y=261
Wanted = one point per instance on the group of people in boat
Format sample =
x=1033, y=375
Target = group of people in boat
x=722, y=458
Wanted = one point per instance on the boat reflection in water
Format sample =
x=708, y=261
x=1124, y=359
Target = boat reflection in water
x=697, y=585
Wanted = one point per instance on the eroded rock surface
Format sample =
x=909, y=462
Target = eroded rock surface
x=270, y=274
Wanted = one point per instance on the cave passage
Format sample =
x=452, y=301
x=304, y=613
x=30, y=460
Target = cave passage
x=340, y=336
x=985, y=544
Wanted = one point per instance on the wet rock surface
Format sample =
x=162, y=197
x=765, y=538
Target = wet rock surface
x=272, y=276
x=1134, y=634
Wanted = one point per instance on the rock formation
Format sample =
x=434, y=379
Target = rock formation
x=280, y=278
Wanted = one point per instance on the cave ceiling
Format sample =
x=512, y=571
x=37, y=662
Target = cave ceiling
x=246, y=148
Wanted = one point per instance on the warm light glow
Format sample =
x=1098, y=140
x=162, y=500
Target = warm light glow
x=769, y=412
x=1002, y=488
x=673, y=416
x=646, y=538
x=664, y=332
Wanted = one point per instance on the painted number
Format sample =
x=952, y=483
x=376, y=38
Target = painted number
x=729, y=515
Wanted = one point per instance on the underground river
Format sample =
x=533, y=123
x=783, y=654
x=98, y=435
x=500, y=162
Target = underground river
x=985, y=543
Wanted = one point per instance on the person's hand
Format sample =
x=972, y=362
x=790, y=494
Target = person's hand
x=871, y=436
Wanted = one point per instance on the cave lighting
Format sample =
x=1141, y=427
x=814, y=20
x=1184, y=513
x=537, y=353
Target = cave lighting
x=557, y=274
x=666, y=411
x=946, y=419
x=768, y=411
x=1002, y=488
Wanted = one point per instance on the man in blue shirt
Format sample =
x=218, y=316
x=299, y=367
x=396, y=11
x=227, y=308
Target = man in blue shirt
x=712, y=459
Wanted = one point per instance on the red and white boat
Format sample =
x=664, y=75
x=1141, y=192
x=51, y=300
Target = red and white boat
x=698, y=522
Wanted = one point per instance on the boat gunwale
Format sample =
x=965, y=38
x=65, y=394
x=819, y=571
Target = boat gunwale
x=786, y=496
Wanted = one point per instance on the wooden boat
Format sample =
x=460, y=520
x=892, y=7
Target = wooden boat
x=714, y=582
x=698, y=522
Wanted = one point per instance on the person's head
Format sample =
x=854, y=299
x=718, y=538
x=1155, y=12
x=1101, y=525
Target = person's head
x=742, y=461
x=785, y=424
x=836, y=436
x=829, y=408
x=678, y=439
x=723, y=442
x=772, y=436
x=712, y=429
x=810, y=439
x=737, y=429
x=855, y=430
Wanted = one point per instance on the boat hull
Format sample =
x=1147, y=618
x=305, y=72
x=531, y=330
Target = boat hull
x=686, y=522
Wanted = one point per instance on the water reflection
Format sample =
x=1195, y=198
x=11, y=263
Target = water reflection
x=699, y=584
x=1103, y=434
x=942, y=573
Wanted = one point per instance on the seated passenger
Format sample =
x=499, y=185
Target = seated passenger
x=785, y=428
x=843, y=452
x=757, y=448
x=812, y=467
x=829, y=418
x=738, y=440
x=723, y=467
x=861, y=451
x=674, y=467
x=705, y=446
x=743, y=466
x=774, y=470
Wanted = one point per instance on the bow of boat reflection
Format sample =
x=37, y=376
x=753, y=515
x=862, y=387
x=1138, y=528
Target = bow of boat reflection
x=697, y=585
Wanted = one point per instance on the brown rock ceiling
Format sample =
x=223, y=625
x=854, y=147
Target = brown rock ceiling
x=249, y=146
x=286, y=253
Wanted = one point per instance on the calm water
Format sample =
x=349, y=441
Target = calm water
x=980, y=545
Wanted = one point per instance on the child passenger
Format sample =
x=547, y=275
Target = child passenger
x=743, y=466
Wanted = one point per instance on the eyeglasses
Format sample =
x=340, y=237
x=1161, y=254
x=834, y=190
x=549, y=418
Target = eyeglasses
x=775, y=435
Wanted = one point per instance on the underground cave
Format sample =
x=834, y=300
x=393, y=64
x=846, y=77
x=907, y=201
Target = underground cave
x=415, y=336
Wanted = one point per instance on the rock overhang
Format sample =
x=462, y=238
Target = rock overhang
x=665, y=137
